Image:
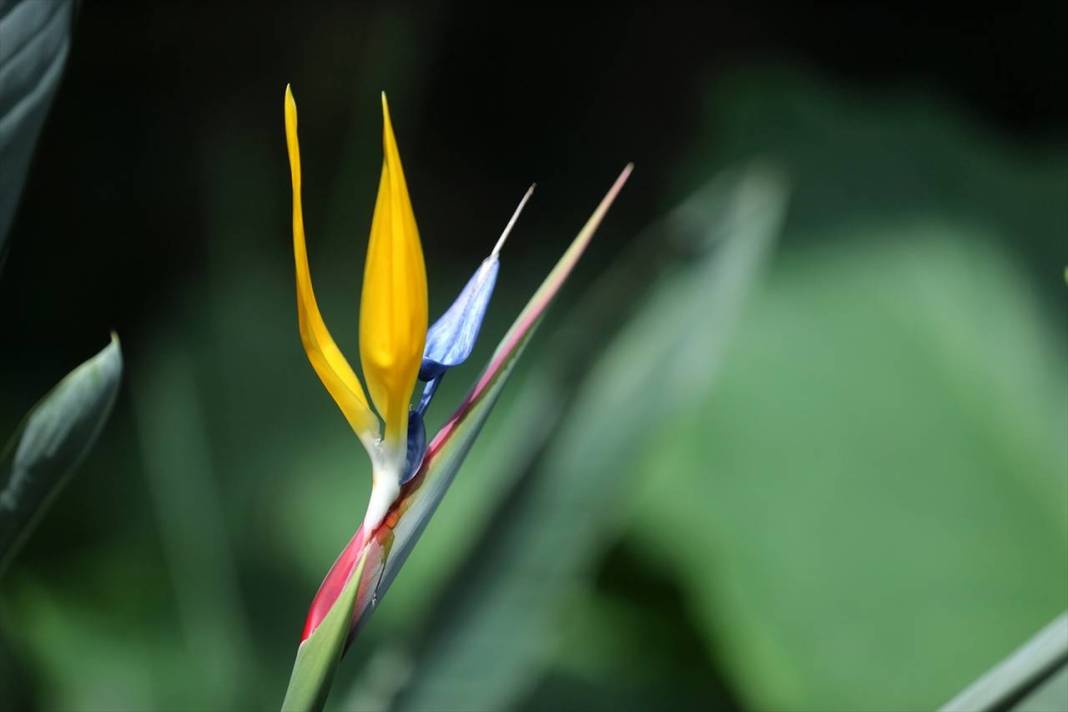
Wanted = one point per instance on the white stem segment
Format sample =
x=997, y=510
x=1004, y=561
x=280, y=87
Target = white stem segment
x=385, y=487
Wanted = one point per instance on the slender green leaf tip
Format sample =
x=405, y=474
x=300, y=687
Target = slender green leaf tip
x=52, y=440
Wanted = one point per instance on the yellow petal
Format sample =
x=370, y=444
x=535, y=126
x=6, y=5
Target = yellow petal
x=327, y=360
x=393, y=309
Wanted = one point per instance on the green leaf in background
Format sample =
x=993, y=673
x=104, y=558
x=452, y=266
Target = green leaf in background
x=34, y=43
x=1032, y=679
x=488, y=639
x=387, y=548
x=879, y=507
x=54, y=438
x=875, y=504
x=186, y=502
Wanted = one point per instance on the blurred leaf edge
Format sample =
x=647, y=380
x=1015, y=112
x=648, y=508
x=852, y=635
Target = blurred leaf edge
x=52, y=441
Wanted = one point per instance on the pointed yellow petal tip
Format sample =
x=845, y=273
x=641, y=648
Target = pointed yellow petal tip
x=385, y=108
x=291, y=132
x=389, y=141
x=393, y=309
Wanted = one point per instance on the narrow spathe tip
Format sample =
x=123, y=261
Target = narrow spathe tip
x=511, y=222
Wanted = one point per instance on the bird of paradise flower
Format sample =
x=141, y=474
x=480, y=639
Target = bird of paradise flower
x=397, y=350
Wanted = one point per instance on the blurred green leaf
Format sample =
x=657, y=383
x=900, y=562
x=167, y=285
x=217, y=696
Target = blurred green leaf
x=876, y=502
x=34, y=43
x=186, y=502
x=121, y=663
x=892, y=405
x=51, y=442
x=1035, y=677
x=495, y=624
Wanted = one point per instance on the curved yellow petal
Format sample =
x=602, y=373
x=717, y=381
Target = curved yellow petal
x=327, y=360
x=393, y=309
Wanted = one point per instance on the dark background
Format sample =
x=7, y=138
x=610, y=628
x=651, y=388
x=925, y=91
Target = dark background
x=489, y=98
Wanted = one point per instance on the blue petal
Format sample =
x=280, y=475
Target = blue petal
x=451, y=338
x=416, y=445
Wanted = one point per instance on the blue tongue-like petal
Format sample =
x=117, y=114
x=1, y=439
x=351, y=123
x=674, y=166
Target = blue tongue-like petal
x=451, y=338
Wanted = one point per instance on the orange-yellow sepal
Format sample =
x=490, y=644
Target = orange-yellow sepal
x=326, y=358
x=393, y=308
